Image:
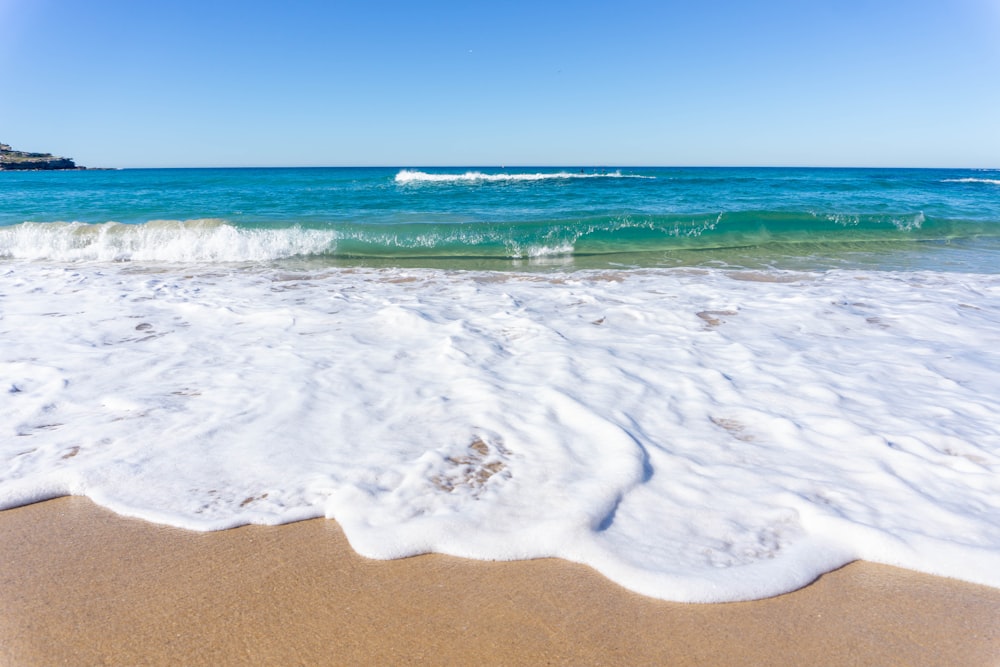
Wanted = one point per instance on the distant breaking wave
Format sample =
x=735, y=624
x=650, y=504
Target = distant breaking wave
x=991, y=181
x=412, y=176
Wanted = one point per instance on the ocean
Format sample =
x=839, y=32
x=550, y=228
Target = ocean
x=709, y=384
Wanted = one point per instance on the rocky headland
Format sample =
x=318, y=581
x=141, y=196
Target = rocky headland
x=11, y=160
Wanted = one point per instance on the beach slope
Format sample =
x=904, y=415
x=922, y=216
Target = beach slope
x=81, y=585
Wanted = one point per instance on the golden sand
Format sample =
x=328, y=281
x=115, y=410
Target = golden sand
x=82, y=586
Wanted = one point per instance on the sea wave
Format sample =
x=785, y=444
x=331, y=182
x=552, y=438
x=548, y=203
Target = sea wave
x=213, y=240
x=903, y=223
x=991, y=181
x=201, y=240
x=413, y=176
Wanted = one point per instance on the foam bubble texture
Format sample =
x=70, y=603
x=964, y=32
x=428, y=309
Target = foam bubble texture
x=695, y=436
x=207, y=240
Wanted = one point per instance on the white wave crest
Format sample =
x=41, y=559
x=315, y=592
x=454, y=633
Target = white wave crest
x=909, y=223
x=991, y=181
x=413, y=176
x=205, y=240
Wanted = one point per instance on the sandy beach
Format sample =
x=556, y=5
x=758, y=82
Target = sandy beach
x=83, y=586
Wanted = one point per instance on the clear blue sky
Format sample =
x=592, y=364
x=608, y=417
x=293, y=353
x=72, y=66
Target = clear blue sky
x=716, y=82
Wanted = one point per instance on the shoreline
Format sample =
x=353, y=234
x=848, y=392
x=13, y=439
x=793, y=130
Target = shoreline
x=81, y=585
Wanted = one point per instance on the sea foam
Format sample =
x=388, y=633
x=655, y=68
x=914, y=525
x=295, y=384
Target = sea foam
x=990, y=181
x=203, y=240
x=698, y=435
x=413, y=176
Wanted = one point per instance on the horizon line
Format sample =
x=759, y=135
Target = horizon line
x=520, y=166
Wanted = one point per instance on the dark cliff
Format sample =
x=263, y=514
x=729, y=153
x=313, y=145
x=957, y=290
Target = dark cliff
x=11, y=160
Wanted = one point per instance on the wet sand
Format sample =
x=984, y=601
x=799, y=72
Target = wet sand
x=82, y=586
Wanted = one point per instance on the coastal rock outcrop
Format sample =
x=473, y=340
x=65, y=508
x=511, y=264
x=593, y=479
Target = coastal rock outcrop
x=11, y=160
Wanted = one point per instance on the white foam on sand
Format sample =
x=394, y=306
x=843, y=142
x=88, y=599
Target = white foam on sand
x=693, y=435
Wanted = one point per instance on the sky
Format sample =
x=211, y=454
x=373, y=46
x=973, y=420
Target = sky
x=137, y=83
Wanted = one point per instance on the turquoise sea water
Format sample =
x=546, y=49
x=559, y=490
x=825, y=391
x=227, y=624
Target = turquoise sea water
x=518, y=218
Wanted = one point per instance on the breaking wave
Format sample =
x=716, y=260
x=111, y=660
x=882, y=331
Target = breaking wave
x=212, y=240
x=413, y=176
x=204, y=240
x=991, y=181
